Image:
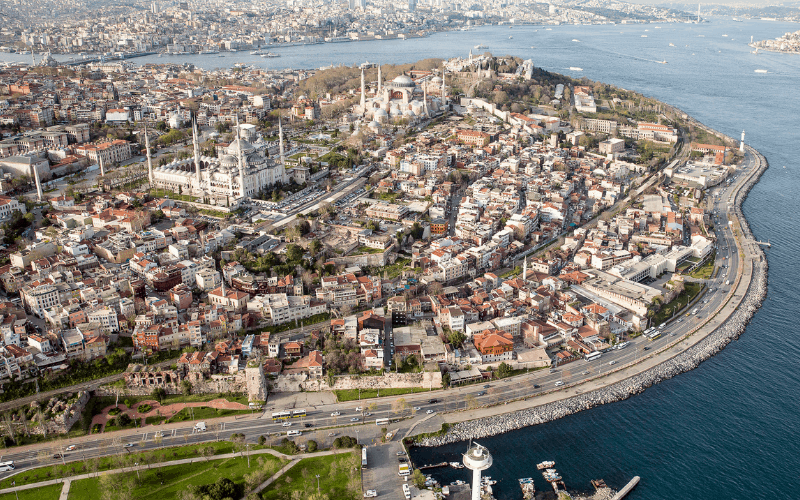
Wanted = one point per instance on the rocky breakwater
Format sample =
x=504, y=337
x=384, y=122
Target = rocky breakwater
x=687, y=360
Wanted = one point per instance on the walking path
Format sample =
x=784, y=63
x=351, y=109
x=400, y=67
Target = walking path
x=185, y=461
x=166, y=411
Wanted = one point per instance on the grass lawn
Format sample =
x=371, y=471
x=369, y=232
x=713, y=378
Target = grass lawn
x=394, y=270
x=706, y=270
x=161, y=193
x=339, y=478
x=166, y=483
x=365, y=249
x=106, y=463
x=203, y=412
x=689, y=292
x=352, y=394
x=51, y=492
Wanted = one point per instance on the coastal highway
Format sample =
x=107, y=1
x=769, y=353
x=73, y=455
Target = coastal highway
x=460, y=398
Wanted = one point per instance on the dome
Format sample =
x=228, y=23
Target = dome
x=374, y=126
x=233, y=149
x=396, y=112
x=403, y=81
x=409, y=113
x=436, y=79
x=380, y=112
x=228, y=160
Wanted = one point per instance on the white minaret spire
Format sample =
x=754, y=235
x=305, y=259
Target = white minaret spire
x=425, y=99
x=241, y=156
x=196, y=150
x=363, y=93
x=38, y=183
x=280, y=137
x=524, y=268
x=741, y=145
x=149, y=158
x=444, y=89
x=379, y=82
x=102, y=165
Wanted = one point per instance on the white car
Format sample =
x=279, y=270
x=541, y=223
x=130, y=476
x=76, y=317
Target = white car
x=559, y=383
x=287, y=424
x=417, y=408
x=430, y=411
x=358, y=410
x=370, y=494
x=71, y=447
x=612, y=362
x=335, y=414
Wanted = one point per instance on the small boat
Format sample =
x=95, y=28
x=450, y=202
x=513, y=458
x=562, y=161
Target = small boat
x=458, y=483
x=546, y=465
x=525, y=480
x=725, y=36
x=456, y=465
x=575, y=68
x=663, y=62
x=510, y=37
x=575, y=40
x=644, y=36
x=671, y=44
x=761, y=71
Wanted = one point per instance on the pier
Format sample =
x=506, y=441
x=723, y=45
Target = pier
x=433, y=466
x=627, y=489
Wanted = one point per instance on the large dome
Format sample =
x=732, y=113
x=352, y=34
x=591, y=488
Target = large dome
x=403, y=81
x=247, y=148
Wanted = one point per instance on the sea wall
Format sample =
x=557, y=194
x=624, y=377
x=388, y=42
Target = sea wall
x=687, y=360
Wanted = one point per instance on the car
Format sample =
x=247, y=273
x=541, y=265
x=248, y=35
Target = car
x=612, y=362
x=358, y=410
x=433, y=401
x=647, y=348
x=129, y=445
x=559, y=383
x=287, y=424
x=370, y=494
x=368, y=414
x=430, y=411
x=481, y=393
x=536, y=386
x=72, y=447
x=417, y=408
x=57, y=456
x=335, y=414
x=308, y=425
x=355, y=419
x=400, y=453
x=486, y=386
x=331, y=434
x=402, y=460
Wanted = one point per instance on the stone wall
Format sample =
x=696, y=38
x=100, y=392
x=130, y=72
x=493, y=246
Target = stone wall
x=296, y=383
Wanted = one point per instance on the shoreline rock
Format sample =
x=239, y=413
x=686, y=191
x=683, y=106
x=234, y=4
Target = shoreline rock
x=687, y=360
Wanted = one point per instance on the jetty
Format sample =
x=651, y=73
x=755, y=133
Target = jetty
x=627, y=488
x=433, y=466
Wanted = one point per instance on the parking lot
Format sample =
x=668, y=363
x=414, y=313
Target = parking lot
x=381, y=472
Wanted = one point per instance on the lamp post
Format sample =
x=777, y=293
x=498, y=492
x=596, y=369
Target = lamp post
x=317, y=484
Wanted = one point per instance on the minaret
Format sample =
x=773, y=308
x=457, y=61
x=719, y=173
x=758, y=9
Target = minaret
x=470, y=56
x=280, y=137
x=196, y=151
x=38, y=183
x=425, y=99
x=524, y=268
x=241, y=157
x=378, y=93
x=741, y=145
x=444, y=89
x=363, y=93
x=149, y=158
x=102, y=166
x=477, y=459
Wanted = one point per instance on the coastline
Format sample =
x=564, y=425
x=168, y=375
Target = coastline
x=751, y=294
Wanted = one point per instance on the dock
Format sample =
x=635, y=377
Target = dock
x=433, y=466
x=627, y=489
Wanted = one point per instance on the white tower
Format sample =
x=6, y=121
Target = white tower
x=196, y=146
x=477, y=459
x=149, y=158
x=363, y=93
x=241, y=157
x=280, y=137
x=377, y=94
x=524, y=268
x=741, y=145
x=444, y=89
x=39, y=193
x=102, y=165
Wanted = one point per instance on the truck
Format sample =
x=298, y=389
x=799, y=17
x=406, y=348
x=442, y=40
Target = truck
x=200, y=427
x=405, y=470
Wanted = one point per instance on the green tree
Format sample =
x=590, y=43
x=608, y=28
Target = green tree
x=294, y=253
x=418, y=478
x=504, y=370
x=159, y=393
x=186, y=387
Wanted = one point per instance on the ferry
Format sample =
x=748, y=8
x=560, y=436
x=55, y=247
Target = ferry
x=546, y=465
x=270, y=54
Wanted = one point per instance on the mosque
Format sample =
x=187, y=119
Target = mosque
x=402, y=98
x=241, y=171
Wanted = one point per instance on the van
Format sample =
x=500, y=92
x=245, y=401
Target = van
x=406, y=491
x=294, y=433
x=200, y=427
x=728, y=282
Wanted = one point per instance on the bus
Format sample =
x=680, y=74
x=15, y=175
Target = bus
x=382, y=421
x=6, y=466
x=364, y=457
x=298, y=413
x=281, y=415
x=655, y=335
x=592, y=356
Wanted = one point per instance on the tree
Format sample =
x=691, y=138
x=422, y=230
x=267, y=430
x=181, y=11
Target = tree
x=418, y=478
x=456, y=338
x=399, y=406
x=315, y=246
x=186, y=387
x=446, y=380
x=504, y=370
x=159, y=393
x=294, y=253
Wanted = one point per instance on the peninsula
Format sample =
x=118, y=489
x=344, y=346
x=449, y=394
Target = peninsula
x=789, y=43
x=285, y=257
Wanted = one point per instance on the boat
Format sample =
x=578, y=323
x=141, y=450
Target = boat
x=644, y=36
x=575, y=68
x=671, y=44
x=512, y=36
x=456, y=465
x=725, y=36
x=575, y=40
x=270, y=54
x=458, y=482
x=256, y=52
x=546, y=465
x=761, y=71
x=663, y=62
x=480, y=46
